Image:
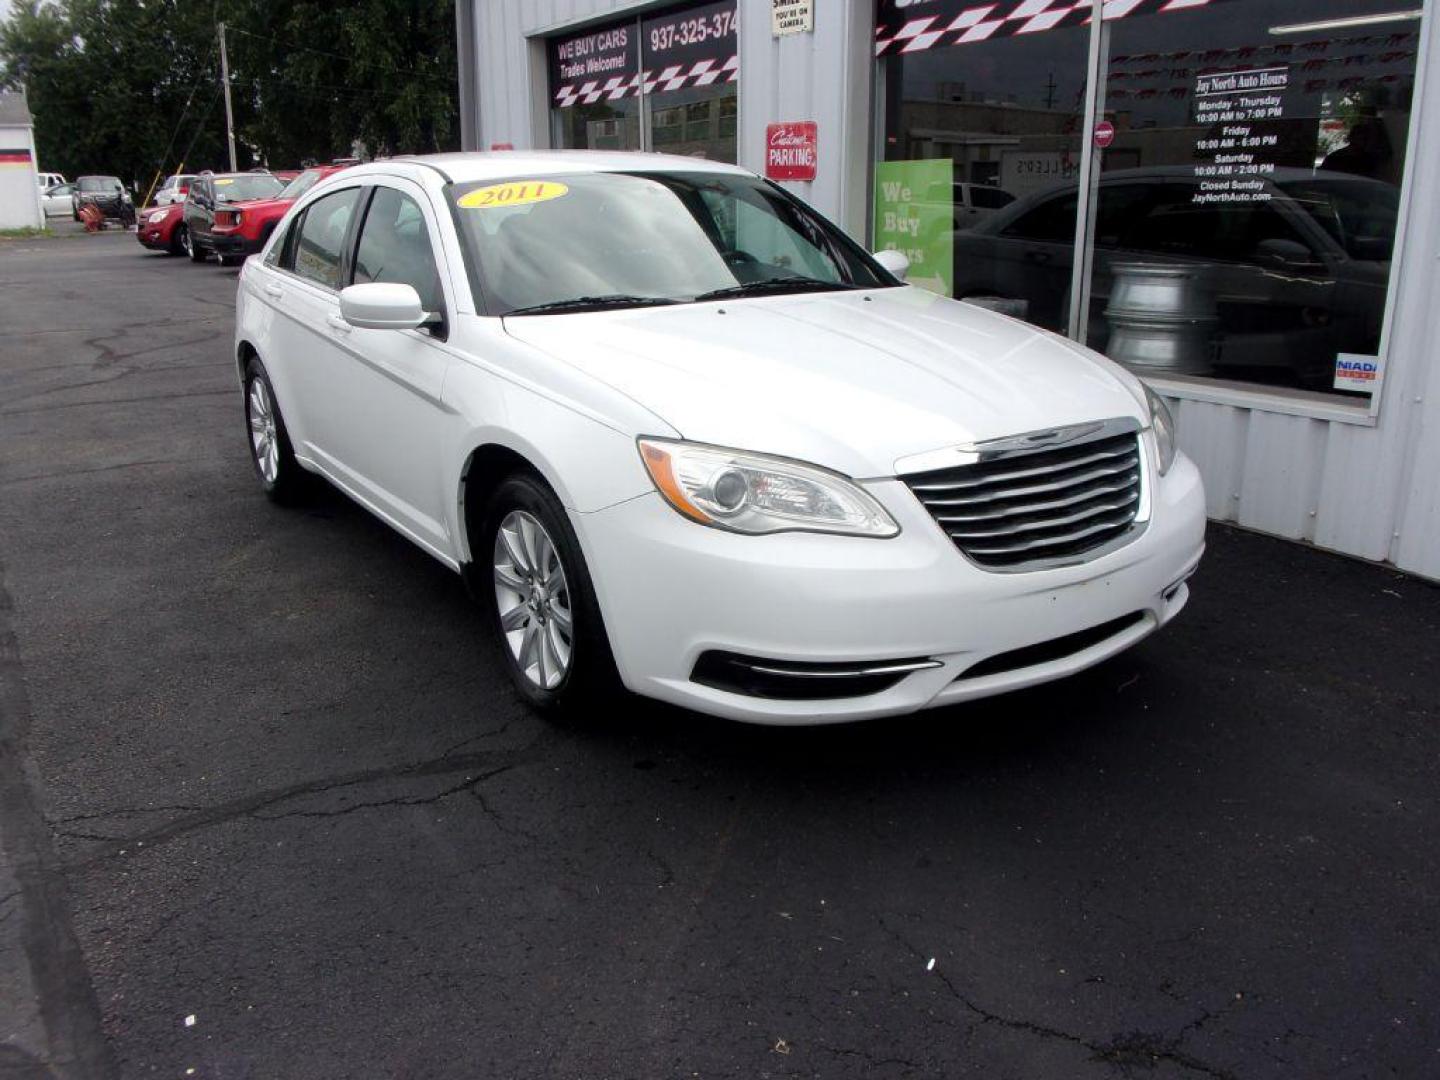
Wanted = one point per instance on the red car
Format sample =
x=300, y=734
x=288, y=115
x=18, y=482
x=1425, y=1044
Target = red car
x=244, y=230
x=156, y=228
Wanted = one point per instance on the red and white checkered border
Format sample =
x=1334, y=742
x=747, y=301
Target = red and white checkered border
x=985, y=21
x=666, y=80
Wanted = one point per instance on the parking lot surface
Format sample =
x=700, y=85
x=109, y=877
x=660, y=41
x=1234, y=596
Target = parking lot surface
x=270, y=808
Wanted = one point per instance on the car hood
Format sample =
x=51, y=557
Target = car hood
x=252, y=206
x=853, y=381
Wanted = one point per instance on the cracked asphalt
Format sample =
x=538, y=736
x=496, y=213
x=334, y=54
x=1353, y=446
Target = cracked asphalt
x=258, y=768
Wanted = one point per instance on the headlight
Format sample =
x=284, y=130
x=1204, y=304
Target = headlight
x=157, y=217
x=1163, y=425
x=757, y=494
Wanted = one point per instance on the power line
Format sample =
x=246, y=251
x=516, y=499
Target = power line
x=337, y=56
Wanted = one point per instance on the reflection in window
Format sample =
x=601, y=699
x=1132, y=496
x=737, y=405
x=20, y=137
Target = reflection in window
x=321, y=237
x=1272, y=145
x=1244, y=214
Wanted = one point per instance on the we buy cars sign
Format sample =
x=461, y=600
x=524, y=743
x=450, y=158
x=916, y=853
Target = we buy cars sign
x=790, y=150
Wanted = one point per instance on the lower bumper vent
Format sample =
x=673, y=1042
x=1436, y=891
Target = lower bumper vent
x=1049, y=651
x=793, y=680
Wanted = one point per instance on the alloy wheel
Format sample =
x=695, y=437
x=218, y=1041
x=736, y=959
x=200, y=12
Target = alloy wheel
x=533, y=598
x=185, y=241
x=264, y=439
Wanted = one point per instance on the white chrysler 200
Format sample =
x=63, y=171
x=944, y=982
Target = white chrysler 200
x=679, y=432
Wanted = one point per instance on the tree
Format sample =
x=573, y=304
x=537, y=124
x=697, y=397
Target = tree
x=132, y=87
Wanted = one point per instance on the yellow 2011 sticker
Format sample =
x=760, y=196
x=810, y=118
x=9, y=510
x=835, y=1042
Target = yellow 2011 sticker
x=513, y=193
x=223, y=181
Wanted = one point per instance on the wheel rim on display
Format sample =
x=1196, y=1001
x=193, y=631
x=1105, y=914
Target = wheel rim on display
x=264, y=441
x=533, y=598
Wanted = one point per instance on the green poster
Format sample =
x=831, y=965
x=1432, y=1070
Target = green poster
x=915, y=214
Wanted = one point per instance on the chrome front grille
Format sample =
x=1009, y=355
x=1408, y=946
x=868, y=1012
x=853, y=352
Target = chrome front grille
x=1028, y=508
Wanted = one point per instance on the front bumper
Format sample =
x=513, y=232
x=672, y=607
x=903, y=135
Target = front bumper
x=671, y=591
x=153, y=236
x=232, y=244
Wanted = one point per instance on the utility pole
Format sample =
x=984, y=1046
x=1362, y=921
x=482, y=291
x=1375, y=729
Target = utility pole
x=229, y=113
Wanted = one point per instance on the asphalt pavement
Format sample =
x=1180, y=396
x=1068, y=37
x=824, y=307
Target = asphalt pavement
x=270, y=809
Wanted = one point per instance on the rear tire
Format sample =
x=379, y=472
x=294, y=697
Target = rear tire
x=542, y=605
x=270, y=451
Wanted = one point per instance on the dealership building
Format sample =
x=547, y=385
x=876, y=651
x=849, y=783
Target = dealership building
x=1234, y=198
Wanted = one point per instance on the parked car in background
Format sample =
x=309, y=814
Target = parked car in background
x=59, y=200
x=107, y=194
x=48, y=180
x=174, y=189
x=682, y=434
x=159, y=228
x=1296, y=277
x=219, y=199
x=244, y=231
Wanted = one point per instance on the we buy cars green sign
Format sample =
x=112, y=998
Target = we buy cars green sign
x=915, y=215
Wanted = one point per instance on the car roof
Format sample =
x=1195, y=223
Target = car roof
x=504, y=164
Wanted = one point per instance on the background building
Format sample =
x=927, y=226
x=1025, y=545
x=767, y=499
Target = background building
x=19, y=188
x=1262, y=160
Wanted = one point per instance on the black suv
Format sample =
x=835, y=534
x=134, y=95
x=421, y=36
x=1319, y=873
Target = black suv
x=107, y=194
x=210, y=203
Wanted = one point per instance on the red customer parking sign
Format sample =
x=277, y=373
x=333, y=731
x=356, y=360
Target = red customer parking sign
x=790, y=150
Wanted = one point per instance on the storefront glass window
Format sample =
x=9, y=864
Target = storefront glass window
x=1243, y=204
x=972, y=126
x=665, y=82
x=1259, y=149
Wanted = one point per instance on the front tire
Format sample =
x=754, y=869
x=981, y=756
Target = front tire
x=542, y=603
x=194, y=250
x=270, y=451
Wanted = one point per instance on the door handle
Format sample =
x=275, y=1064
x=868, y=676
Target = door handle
x=1040, y=258
x=274, y=291
x=339, y=324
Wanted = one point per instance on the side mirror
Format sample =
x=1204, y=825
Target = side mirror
x=1287, y=255
x=1372, y=248
x=894, y=261
x=379, y=305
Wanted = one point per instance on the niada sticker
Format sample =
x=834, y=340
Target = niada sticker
x=513, y=193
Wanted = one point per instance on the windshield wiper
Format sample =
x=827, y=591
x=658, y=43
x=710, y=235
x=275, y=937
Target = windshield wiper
x=780, y=284
x=591, y=303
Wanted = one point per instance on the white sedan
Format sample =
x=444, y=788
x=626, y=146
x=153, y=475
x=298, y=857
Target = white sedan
x=59, y=200
x=681, y=434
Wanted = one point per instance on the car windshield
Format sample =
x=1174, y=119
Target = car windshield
x=1360, y=215
x=100, y=183
x=588, y=241
x=249, y=186
x=301, y=184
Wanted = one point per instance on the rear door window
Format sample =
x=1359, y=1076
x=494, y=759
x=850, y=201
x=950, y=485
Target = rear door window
x=320, y=240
